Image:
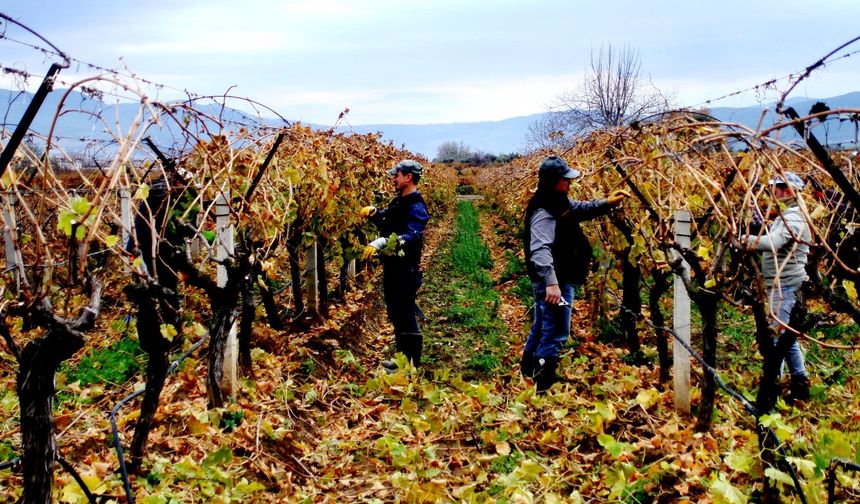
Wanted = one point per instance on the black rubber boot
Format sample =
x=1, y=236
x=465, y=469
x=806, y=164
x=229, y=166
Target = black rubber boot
x=527, y=365
x=799, y=388
x=544, y=372
x=414, y=342
x=400, y=344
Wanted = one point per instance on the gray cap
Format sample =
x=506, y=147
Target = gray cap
x=791, y=179
x=407, y=166
x=554, y=166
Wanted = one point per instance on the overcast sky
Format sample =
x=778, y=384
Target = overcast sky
x=433, y=61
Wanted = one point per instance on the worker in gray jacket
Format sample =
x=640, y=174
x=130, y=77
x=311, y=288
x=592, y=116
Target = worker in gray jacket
x=785, y=246
x=557, y=258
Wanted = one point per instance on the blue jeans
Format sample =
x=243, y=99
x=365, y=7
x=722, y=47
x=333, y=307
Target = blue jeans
x=551, y=325
x=781, y=301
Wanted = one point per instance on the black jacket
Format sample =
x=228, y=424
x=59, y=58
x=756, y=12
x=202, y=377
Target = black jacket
x=406, y=216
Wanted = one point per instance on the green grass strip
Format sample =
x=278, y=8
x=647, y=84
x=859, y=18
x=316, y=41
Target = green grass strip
x=466, y=301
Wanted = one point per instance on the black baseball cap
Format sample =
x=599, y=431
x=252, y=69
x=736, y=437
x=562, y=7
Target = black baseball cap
x=554, y=166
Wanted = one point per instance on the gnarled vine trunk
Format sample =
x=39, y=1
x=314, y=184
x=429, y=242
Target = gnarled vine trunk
x=39, y=362
x=708, y=303
x=660, y=287
x=631, y=298
x=157, y=348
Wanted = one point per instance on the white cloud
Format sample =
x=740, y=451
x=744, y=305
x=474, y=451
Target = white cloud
x=436, y=60
x=230, y=42
x=451, y=101
x=316, y=8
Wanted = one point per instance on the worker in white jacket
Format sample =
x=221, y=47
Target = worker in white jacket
x=785, y=247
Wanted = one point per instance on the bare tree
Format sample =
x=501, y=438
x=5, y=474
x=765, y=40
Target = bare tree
x=451, y=152
x=553, y=131
x=613, y=93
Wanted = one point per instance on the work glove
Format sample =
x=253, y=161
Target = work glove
x=372, y=248
x=367, y=212
x=819, y=213
x=617, y=197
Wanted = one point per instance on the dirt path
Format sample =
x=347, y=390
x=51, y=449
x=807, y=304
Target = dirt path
x=466, y=426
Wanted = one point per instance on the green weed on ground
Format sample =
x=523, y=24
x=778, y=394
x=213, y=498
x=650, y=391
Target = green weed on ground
x=470, y=256
x=114, y=364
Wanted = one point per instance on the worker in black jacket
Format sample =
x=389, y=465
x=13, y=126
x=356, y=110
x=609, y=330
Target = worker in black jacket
x=401, y=229
x=557, y=258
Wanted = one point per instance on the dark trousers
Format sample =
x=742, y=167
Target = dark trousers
x=400, y=287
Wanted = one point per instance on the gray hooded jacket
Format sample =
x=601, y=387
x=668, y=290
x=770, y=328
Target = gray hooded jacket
x=785, y=246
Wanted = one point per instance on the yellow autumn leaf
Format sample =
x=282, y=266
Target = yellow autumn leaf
x=73, y=493
x=723, y=492
x=8, y=179
x=648, y=398
x=550, y=437
x=819, y=213
x=195, y=426
x=168, y=332
x=806, y=467
x=503, y=448
x=850, y=289
x=198, y=329
x=142, y=192
x=746, y=161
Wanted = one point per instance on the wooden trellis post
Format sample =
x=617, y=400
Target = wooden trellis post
x=681, y=319
x=223, y=249
x=125, y=215
x=10, y=224
x=126, y=219
x=224, y=231
x=197, y=241
x=311, y=277
x=350, y=273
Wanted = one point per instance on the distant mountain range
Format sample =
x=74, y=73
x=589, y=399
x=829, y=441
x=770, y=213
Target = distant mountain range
x=498, y=137
x=509, y=135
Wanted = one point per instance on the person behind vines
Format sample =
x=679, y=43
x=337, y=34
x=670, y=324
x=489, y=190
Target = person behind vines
x=557, y=258
x=785, y=247
x=405, y=217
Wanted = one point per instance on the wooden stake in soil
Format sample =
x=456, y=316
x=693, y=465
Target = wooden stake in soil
x=11, y=223
x=125, y=215
x=127, y=221
x=312, y=280
x=681, y=319
x=223, y=250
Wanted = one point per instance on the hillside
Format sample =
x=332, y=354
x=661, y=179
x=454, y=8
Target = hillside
x=503, y=136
